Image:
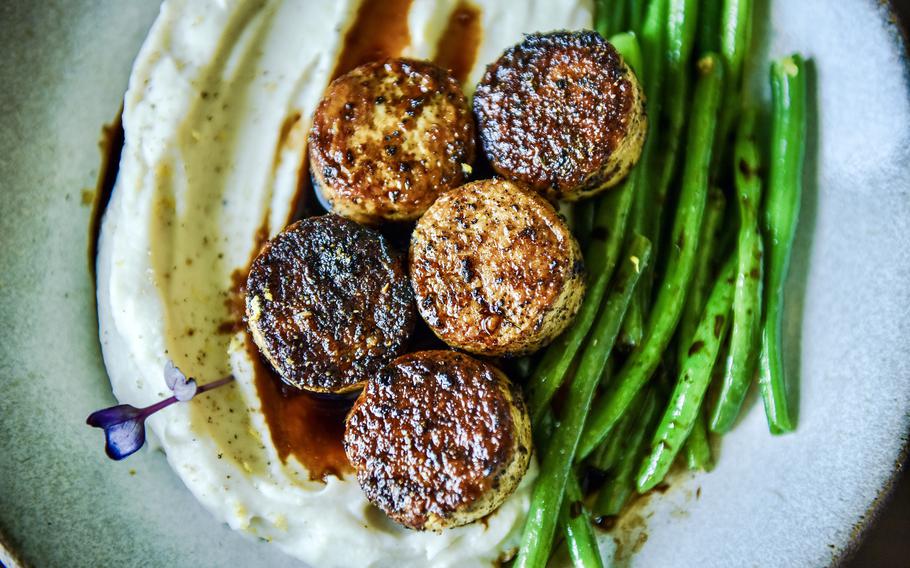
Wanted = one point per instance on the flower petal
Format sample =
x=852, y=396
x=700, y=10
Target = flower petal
x=124, y=429
x=125, y=438
x=108, y=417
x=185, y=391
x=172, y=375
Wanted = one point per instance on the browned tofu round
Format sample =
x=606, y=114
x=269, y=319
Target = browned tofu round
x=388, y=138
x=562, y=113
x=438, y=439
x=328, y=303
x=495, y=269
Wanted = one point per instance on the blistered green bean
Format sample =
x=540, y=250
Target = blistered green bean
x=600, y=258
x=576, y=522
x=703, y=274
x=615, y=493
x=686, y=231
x=694, y=377
x=745, y=335
x=559, y=454
x=788, y=149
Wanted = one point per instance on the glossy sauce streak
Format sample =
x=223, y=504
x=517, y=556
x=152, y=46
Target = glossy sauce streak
x=292, y=137
x=284, y=135
x=111, y=145
x=458, y=45
x=310, y=427
x=303, y=204
x=380, y=30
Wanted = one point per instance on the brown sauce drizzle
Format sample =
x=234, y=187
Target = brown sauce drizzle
x=458, y=45
x=311, y=427
x=308, y=426
x=303, y=204
x=111, y=146
x=380, y=30
x=284, y=133
x=301, y=201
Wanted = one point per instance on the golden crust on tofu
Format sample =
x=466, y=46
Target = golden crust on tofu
x=495, y=269
x=388, y=138
x=328, y=304
x=563, y=113
x=438, y=439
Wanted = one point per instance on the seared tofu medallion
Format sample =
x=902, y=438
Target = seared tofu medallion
x=438, y=439
x=563, y=113
x=388, y=138
x=495, y=269
x=328, y=304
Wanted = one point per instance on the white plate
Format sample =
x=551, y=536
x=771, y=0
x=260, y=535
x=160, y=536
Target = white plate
x=791, y=501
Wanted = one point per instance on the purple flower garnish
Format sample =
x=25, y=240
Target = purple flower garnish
x=124, y=425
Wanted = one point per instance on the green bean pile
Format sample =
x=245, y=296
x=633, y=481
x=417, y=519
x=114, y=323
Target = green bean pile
x=676, y=323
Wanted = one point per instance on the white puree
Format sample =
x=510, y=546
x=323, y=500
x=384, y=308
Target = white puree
x=204, y=166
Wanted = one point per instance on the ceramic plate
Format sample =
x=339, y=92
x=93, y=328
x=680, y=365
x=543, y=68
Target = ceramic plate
x=798, y=500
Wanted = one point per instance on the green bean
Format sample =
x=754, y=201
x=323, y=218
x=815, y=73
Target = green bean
x=736, y=34
x=602, y=17
x=788, y=138
x=600, y=258
x=636, y=11
x=619, y=21
x=698, y=448
x=629, y=48
x=680, y=29
x=652, y=48
x=686, y=231
x=584, y=221
x=612, y=448
x=700, y=457
x=735, y=37
x=579, y=540
x=633, y=325
x=680, y=26
x=682, y=20
x=576, y=523
x=652, y=78
x=745, y=336
x=669, y=158
x=709, y=26
x=607, y=234
x=556, y=463
x=703, y=274
x=698, y=445
x=614, y=495
x=694, y=377
x=609, y=17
